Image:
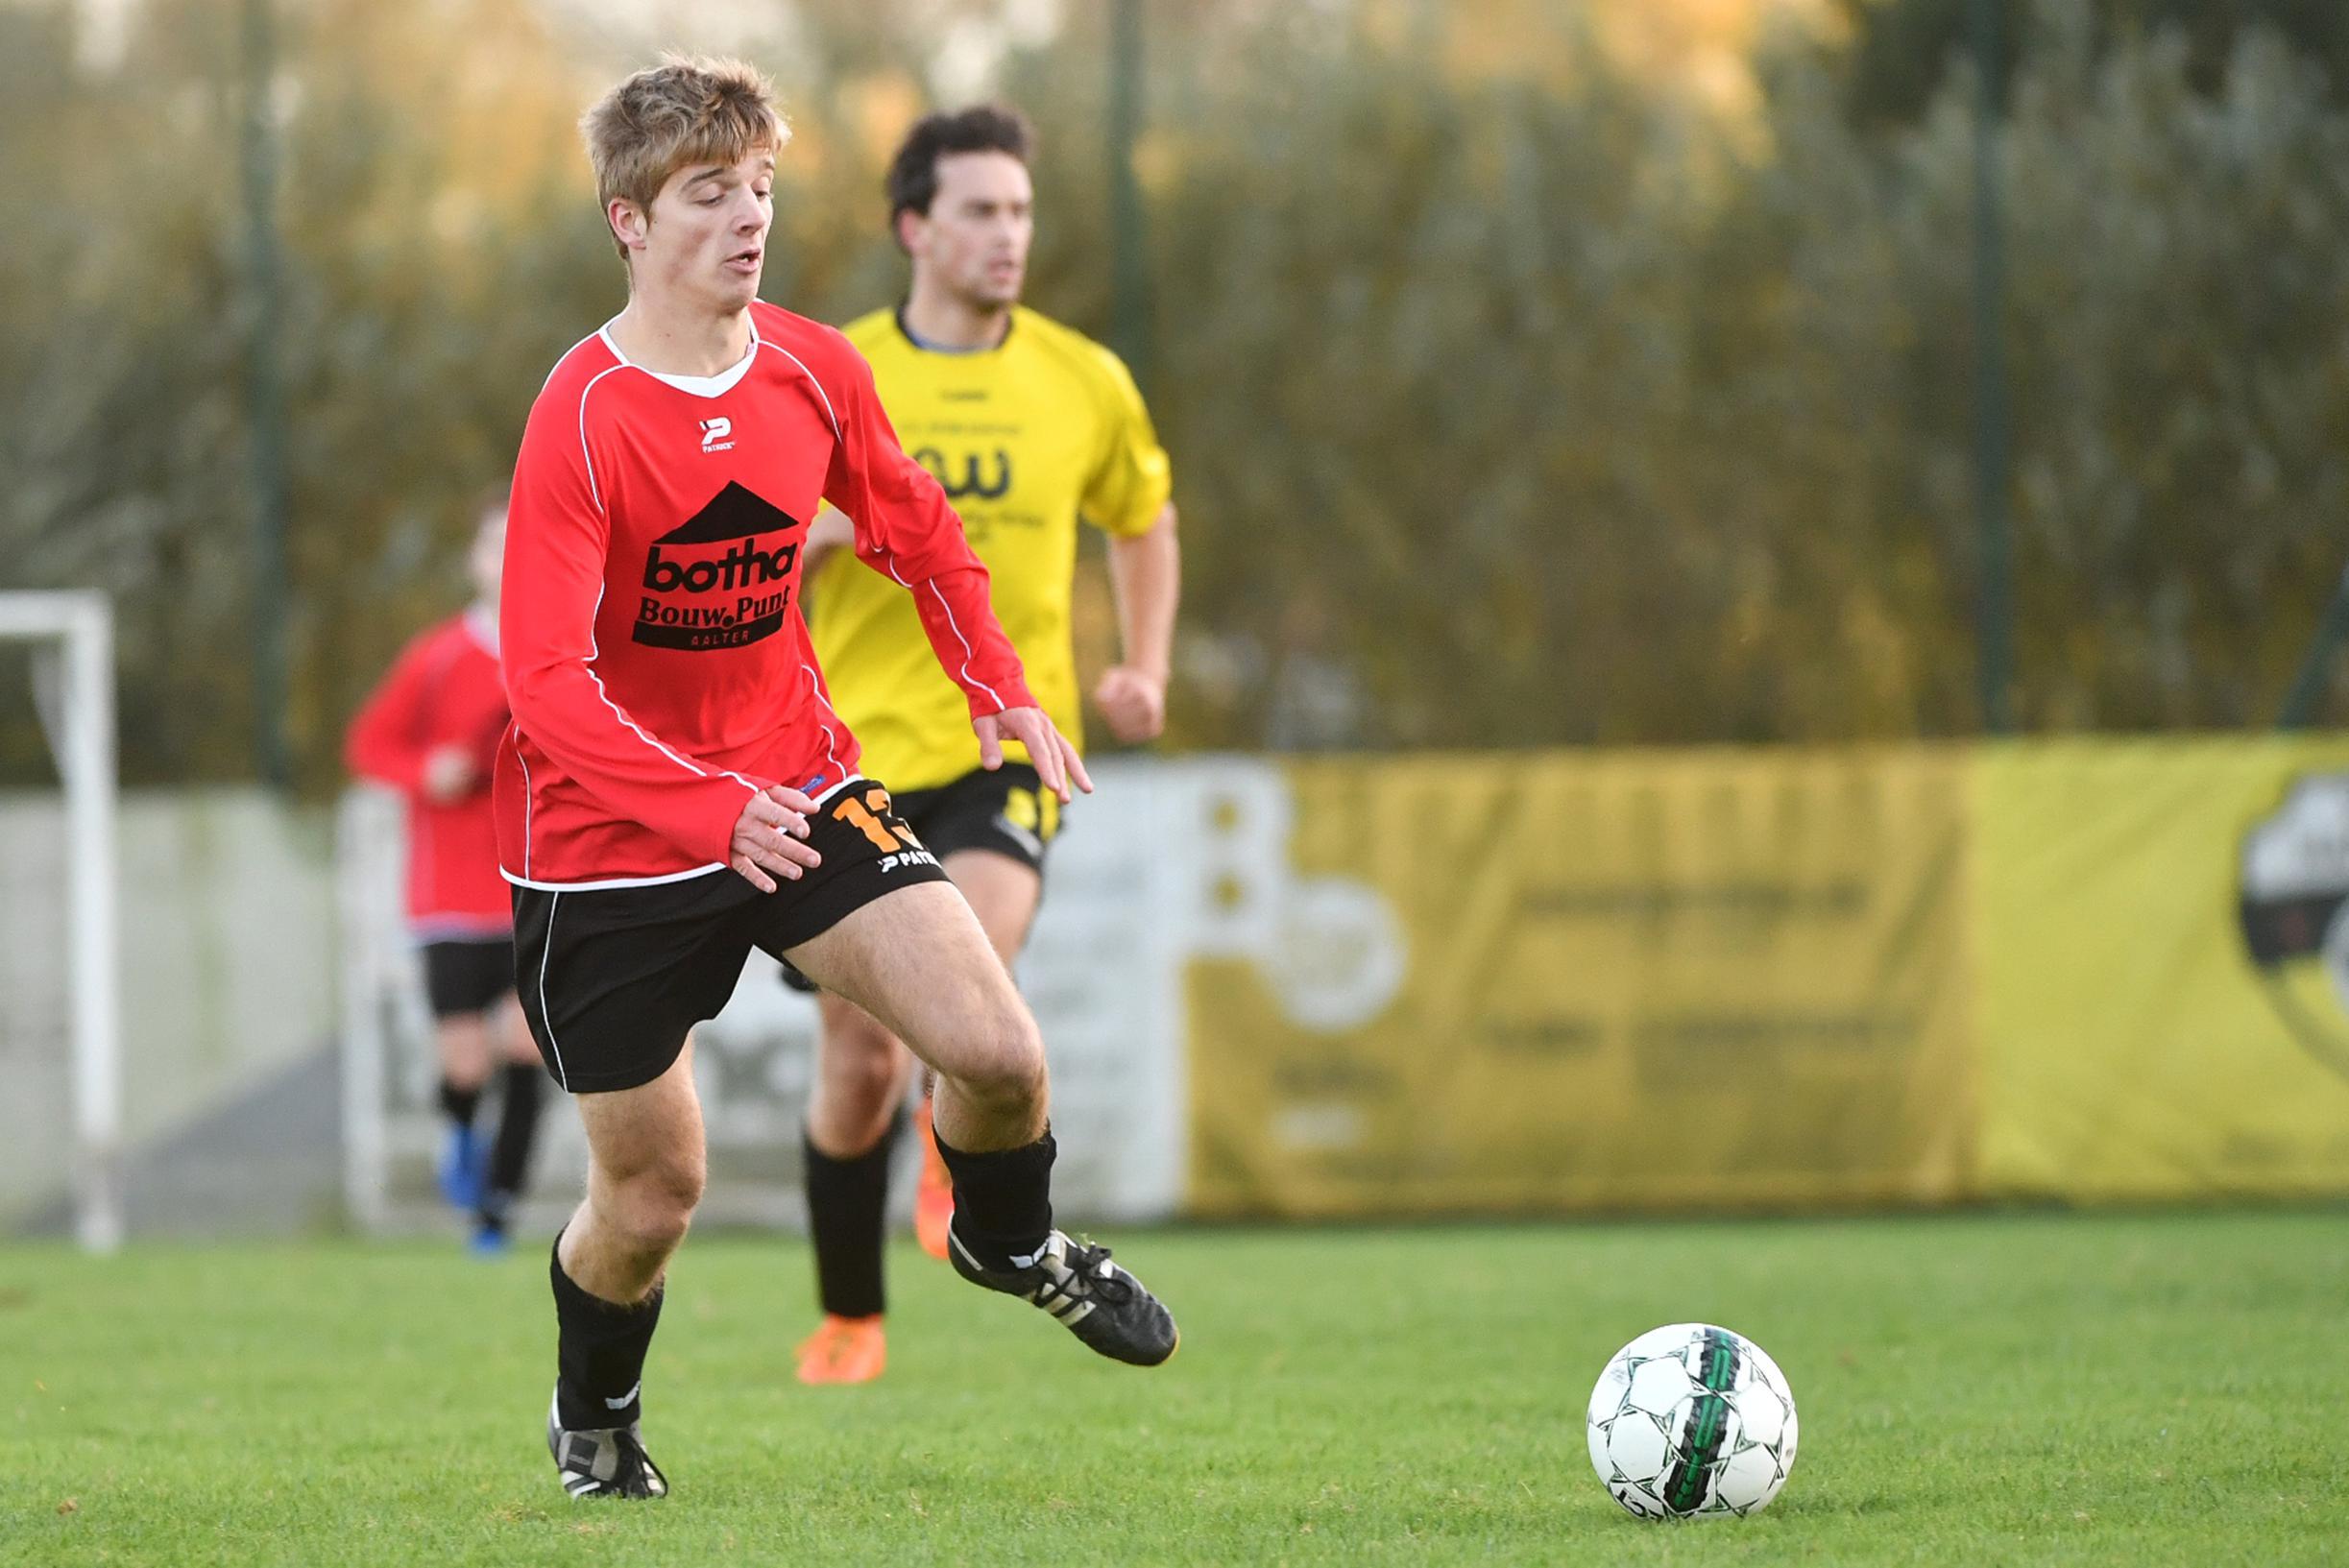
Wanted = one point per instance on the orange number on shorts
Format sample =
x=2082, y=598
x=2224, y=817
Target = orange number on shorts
x=878, y=799
x=861, y=814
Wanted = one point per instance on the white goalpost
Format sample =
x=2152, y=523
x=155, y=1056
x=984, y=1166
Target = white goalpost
x=73, y=682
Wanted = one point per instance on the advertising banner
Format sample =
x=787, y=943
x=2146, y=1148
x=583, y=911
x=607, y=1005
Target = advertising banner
x=1595, y=982
x=2162, y=941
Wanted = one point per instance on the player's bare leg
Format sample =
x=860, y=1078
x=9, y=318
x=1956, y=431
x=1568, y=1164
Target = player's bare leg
x=646, y=1170
x=463, y=1043
x=920, y=963
x=646, y=1165
x=861, y=1072
x=1004, y=894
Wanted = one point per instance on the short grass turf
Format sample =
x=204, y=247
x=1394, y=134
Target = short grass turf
x=2002, y=1389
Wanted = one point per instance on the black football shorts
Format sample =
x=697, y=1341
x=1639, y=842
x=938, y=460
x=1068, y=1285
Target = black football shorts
x=611, y=978
x=466, y=976
x=1008, y=813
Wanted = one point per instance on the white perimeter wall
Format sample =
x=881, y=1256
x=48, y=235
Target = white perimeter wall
x=228, y=959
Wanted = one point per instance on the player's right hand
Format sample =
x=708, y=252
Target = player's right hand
x=767, y=839
x=1049, y=752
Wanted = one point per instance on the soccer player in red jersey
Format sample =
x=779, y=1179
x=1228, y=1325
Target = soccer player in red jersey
x=430, y=730
x=675, y=788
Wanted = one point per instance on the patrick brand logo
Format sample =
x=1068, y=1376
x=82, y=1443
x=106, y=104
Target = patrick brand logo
x=717, y=435
x=718, y=580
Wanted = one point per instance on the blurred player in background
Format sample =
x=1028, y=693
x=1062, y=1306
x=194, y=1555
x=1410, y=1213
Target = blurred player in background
x=677, y=789
x=430, y=730
x=1029, y=426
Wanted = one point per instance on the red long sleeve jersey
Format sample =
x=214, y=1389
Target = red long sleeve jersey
x=444, y=690
x=654, y=653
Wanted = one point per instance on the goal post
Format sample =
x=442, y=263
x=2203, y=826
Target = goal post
x=73, y=638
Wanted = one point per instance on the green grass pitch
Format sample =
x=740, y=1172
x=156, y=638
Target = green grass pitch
x=1974, y=1390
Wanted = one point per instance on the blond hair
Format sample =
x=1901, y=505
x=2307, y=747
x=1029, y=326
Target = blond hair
x=682, y=111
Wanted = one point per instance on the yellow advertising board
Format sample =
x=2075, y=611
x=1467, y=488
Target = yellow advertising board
x=2159, y=1018
x=1645, y=981
x=1599, y=982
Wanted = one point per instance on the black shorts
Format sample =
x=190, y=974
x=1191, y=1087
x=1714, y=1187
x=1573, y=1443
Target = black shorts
x=612, y=977
x=468, y=976
x=1008, y=813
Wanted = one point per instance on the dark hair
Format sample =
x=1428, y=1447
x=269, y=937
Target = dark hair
x=985, y=127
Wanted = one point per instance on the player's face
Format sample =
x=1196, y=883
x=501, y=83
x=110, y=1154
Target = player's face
x=975, y=241
x=707, y=238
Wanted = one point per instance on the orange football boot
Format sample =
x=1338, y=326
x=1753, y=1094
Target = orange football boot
x=843, y=1350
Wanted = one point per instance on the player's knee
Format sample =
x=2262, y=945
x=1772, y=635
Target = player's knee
x=680, y=1184
x=655, y=1206
x=1003, y=1067
x=863, y=1077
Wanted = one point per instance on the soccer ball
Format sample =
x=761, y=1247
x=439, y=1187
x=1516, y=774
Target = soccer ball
x=1692, y=1422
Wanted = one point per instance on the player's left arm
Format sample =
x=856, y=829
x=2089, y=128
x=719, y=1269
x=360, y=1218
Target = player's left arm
x=905, y=529
x=1146, y=577
x=1129, y=496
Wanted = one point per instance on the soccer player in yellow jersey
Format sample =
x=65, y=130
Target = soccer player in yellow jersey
x=1030, y=426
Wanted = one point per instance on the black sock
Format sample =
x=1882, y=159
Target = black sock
x=847, y=1200
x=600, y=1353
x=460, y=1103
x=518, y=1129
x=1002, y=1200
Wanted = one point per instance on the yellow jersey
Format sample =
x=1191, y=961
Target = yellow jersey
x=1027, y=437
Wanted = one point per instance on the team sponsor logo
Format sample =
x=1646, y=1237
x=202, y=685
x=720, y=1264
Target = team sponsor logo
x=984, y=476
x=717, y=435
x=718, y=580
x=2293, y=898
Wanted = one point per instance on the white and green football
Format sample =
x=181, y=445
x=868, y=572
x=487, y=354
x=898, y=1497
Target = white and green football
x=1690, y=1421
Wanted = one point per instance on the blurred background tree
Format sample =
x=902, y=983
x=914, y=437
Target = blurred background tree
x=1535, y=374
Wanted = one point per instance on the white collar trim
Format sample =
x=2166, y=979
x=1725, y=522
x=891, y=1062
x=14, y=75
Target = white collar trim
x=699, y=386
